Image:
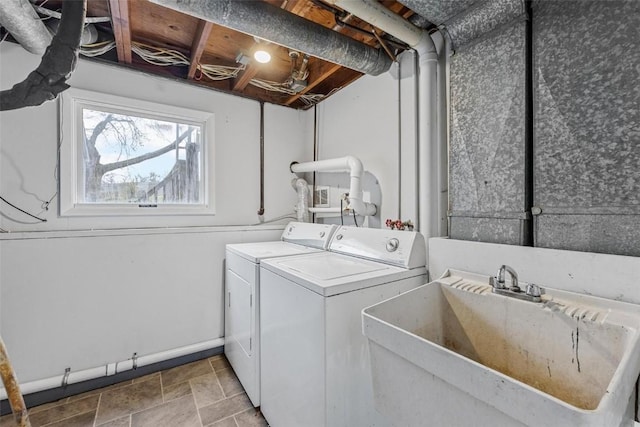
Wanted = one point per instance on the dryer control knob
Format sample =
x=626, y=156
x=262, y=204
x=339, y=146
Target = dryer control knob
x=392, y=245
x=339, y=237
x=322, y=234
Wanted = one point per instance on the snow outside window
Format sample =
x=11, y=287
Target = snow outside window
x=129, y=157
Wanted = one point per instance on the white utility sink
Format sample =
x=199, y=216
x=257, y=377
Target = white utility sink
x=453, y=353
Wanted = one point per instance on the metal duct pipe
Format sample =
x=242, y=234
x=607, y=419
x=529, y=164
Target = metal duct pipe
x=481, y=19
x=438, y=11
x=24, y=24
x=276, y=25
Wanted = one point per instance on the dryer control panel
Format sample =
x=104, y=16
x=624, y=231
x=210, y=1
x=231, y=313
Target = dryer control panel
x=401, y=248
x=307, y=234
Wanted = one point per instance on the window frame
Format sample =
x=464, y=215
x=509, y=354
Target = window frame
x=71, y=161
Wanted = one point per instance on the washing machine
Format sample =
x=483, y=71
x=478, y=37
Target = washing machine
x=314, y=358
x=242, y=302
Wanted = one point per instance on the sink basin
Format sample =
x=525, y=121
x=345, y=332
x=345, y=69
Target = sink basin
x=453, y=353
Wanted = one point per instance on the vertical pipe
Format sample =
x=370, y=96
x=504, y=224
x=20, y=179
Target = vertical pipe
x=261, y=210
x=527, y=238
x=428, y=133
x=399, y=139
x=315, y=158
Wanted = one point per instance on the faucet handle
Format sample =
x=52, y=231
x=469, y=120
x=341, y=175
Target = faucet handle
x=534, y=290
x=495, y=283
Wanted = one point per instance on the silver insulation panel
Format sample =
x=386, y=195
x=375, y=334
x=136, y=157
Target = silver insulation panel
x=487, y=140
x=587, y=125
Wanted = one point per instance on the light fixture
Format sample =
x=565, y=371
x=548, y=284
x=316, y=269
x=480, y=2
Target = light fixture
x=262, y=56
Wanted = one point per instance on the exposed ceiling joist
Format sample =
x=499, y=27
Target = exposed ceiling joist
x=317, y=74
x=177, y=44
x=121, y=29
x=199, y=45
x=245, y=77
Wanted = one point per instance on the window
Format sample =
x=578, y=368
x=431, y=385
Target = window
x=129, y=157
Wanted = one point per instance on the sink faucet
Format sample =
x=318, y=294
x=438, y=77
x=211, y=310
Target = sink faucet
x=532, y=292
x=500, y=278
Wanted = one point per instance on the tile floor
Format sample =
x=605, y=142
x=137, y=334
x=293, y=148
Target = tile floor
x=202, y=393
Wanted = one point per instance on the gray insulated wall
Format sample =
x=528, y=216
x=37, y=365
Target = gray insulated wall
x=487, y=137
x=587, y=125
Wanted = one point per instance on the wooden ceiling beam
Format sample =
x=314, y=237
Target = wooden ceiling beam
x=245, y=77
x=322, y=73
x=199, y=44
x=121, y=29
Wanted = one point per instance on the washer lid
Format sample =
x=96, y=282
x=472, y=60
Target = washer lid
x=328, y=273
x=257, y=251
x=332, y=268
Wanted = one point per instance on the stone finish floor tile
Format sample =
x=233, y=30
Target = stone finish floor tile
x=219, y=362
x=50, y=405
x=66, y=410
x=229, y=382
x=251, y=418
x=167, y=399
x=186, y=372
x=83, y=420
x=145, y=377
x=179, y=412
x=120, y=422
x=224, y=408
x=206, y=390
x=131, y=398
x=99, y=390
x=227, y=422
x=177, y=390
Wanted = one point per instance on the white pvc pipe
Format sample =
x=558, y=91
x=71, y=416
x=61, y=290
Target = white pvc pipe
x=429, y=197
x=376, y=14
x=113, y=368
x=350, y=164
x=379, y=16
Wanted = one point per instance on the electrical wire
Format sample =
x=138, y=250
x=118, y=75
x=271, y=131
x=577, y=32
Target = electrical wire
x=219, y=72
x=159, y=56
x=170, y=57
x=341, y=216
x=22, y=210
x=355, y=219
x=97, y=49
x=58, y=15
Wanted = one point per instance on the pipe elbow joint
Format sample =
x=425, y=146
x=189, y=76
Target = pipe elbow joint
x=355, y=166
x=426, y=48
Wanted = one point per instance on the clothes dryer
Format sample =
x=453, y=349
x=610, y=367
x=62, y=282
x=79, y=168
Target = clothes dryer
x=314, y=359
x=242, y=302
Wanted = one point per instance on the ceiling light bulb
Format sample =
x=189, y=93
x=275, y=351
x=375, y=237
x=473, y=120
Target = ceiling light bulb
x=262, y=56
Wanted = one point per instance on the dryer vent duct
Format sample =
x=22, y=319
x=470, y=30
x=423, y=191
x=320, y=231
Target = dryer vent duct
x=21, y=20
x=268, y=22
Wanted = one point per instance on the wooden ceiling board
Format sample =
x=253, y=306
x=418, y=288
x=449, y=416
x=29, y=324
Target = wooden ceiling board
x=151, y=21
x=227, y=43
x=207, y=43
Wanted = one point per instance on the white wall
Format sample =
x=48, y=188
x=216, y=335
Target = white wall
x=29, y=139
x=374, y=120
x=85, y=297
